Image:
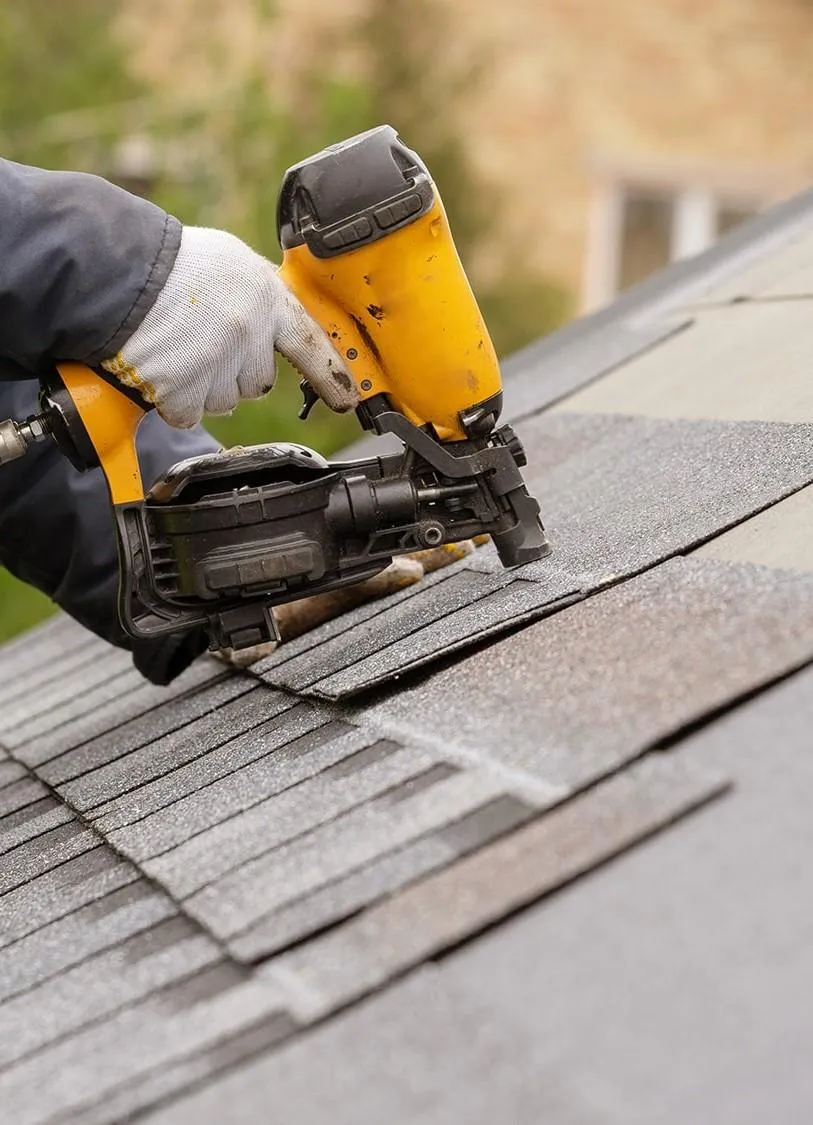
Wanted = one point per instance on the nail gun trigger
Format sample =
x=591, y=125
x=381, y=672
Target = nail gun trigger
x=310, y=399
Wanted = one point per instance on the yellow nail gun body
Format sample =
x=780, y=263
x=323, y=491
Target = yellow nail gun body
x=223, y=538
x=368, y=251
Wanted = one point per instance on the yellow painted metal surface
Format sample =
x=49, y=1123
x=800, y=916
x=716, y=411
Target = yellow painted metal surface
x=402, y=314
x=111, y=420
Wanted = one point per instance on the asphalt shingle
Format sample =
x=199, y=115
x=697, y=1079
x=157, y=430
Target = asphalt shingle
x=116, y=714
x=744, y=362
x=201, y=792
x=19, y=793
x=343, y=897
x=102, y=984
x=186, y=1019
x=277, y=821
x=89, y=929
x=621, y=494
x=43, y=899
x=618, y=495
x=461, y=900
x=331, y=851
x=52, y=849
x=780, y=537
x=787, y=274
x=156, y=758
x=10, y=771
x=577, y=695
x=178, y=1074
x=281, y=853
x=31, y=822
x=544, y=373
x=56, y=763
x=461, y=605
x=77, y=699
x=671, y=987
x=417, y=1053
x=41, y=653
x=39, y=708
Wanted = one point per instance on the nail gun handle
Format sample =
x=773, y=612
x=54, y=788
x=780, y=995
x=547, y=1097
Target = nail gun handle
x=95, y=422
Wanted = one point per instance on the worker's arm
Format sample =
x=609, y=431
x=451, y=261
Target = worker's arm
x=189, y=316
x=81, y=263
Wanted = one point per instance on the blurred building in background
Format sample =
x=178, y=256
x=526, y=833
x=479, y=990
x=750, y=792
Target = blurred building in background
x=621, y=135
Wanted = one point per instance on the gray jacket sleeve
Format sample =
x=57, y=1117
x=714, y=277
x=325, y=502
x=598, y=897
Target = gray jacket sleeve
x=56, y=531
x=81, y=263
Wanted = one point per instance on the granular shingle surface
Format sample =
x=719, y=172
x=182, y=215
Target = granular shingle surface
x=619, y=495
x=507, y=846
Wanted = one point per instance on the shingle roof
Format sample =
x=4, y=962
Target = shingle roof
x=324, y=891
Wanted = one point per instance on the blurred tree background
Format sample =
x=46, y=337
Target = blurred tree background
x=68, y=98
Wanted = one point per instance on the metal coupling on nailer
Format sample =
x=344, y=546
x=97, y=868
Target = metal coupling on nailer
x=16, y=437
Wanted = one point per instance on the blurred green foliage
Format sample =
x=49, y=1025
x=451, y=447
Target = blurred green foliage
x=68, y=97
x=21, y=606
x=56, y=62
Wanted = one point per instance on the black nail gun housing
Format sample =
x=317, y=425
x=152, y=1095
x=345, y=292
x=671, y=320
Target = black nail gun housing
x=224, y=537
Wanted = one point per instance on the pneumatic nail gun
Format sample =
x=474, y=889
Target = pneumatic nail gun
x=222, y=538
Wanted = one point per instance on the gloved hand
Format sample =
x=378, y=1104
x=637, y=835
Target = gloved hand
x=295, y=618
x=209, y=339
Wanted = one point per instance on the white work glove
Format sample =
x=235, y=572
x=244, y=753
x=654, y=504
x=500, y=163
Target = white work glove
x=209, y=339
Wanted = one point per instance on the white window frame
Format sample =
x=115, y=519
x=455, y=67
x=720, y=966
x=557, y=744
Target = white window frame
x=698, y=198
